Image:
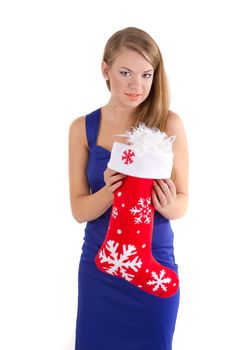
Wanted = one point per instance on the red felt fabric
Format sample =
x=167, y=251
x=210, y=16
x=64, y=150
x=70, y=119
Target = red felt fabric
x=126, y=250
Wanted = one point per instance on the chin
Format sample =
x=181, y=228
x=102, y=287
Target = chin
x=131, y=104
x=135, y=103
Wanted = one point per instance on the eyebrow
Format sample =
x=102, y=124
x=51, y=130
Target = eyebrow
x=149, y=70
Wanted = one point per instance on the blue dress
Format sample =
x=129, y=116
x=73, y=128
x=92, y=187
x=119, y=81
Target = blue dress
x=113, y=313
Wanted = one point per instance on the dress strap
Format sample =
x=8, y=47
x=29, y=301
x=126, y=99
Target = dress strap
x=92, y=126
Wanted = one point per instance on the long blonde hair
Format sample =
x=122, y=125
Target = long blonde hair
x=154, y=110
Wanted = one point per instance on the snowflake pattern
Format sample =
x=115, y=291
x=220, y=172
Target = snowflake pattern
x=159, y=281
x=122, y=263
x=127, y=156
x=142, y=211
x=114, y=212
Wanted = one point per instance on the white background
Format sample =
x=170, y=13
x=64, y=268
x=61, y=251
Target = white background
x=50, y=74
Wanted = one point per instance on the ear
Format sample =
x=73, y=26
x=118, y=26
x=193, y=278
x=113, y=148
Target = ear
x=105, y=68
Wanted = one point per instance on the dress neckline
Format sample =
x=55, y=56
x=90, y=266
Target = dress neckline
x=104, y=149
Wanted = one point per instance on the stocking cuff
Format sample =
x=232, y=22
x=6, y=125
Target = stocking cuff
x=151, y=165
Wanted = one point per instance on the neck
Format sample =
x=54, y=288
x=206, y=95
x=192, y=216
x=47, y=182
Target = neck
x=119, y=114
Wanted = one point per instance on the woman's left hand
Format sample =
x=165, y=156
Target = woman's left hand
x=163, y=193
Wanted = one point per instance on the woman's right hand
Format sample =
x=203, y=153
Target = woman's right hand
x=113, y=179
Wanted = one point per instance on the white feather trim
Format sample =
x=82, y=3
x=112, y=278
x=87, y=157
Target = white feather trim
x=148, y=139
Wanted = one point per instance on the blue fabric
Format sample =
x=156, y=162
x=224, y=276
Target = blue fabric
x=113, y=313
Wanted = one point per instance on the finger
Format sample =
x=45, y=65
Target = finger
x=172, y=186
x=114, y=187
x=160, y=195
x=112, y=178
x=122, y=175
x=107, y=173
x=111, y=171
x=155, y=200
x=117, y=177
x=166, y=190
x=164, y=187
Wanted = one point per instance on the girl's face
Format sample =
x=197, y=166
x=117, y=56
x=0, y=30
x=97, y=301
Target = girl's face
x=130, y=77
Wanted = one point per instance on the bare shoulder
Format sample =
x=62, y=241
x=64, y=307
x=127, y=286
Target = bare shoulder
x=174, y=124
x=78, y=121
x=78, y=158
x=77, y=130
x=180, y=151
x=180, y=146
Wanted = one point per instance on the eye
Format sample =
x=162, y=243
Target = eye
x=124, y=73
x=147, y=75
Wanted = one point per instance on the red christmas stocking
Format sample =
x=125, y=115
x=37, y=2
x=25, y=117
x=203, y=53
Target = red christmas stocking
x=126, y=250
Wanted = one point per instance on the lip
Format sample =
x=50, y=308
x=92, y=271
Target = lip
x=133, y=96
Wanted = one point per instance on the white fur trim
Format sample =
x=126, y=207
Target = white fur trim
x=150, y=165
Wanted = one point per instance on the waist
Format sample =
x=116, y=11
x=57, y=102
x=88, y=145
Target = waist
x=163, y=253
x=104, y=219
x=161, y=241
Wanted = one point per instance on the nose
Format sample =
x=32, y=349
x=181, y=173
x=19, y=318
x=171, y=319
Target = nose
x=134, y=83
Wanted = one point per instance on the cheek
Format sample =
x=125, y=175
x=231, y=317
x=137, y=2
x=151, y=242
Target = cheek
x=118, y=84
x=147, y=88
x=149, y=85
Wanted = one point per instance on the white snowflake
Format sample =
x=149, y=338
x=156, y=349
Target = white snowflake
x=114, y=212
x=121, y=263
x=159, y=281
x=142, y=211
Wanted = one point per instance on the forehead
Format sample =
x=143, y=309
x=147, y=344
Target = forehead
x=131, y=59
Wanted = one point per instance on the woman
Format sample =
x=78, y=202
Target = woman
x=112, y=313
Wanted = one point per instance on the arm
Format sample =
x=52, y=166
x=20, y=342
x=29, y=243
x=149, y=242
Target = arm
x=85, y=206
x=170, y=196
